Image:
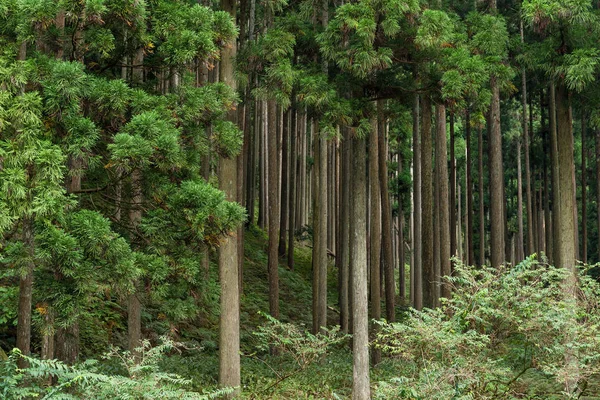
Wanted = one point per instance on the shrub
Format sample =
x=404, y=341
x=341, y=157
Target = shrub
x=501, y=326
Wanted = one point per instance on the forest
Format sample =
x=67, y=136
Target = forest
x=299, y=199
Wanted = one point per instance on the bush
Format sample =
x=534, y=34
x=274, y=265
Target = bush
x=501, y=328
x=141, y=378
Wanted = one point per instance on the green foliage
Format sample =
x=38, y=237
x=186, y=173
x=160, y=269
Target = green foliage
x=497, y=326
x=141, y=379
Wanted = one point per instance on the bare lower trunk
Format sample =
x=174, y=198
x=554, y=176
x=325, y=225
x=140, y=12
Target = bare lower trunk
x=496, y=179
x=428, y=268
x=273, y=203
x=481, y=194
x=293, y=190
x=470, y=256
x=386, y=216
x=284, y=183
x=567, y=252
x=344, y=232
x=374, y=232
x=583, y=189
x=519, y=245
x=230, y=173
x=416, y=272
x=556, y=205
x=452, y=204
x=358, y=261
x=444, y=219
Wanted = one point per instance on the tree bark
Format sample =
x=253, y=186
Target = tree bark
x=481, y=202
x=344, y=231
x=470, y=256
x=416, y=272
x=319, y=251
x=273, y=209
x=229, y=319
x=453, y=218
x=358, y=262
x=567, y=243
x=374, y=231
x=386, y=217
x=497, y=247
x=519, y=250
x=444, y=220
x=284, y=183
x=556, y=205
x=293, y=190
x=525, y=125
x=428, y=268
x=583, y=189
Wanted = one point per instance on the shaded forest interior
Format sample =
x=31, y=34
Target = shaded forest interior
x=303, y=199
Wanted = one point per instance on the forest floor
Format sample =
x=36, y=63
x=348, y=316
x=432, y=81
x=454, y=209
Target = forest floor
x=280, y=377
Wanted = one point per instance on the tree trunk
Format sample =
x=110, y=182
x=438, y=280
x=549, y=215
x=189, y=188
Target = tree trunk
x=428, y=270
x=481, y=194
x=556, y=205
x=229, y=319
x=284, y=183
x=375, y=231
x=293, y=190
x=470, y=256
x=567, y=252
x=441, y=157
x=386, y=217
x=358, y=262
x=530, y=246
x=496, y=179
x=598, y=180
x=519, y=245
x=416, y=272
x=344, y=232
x=453, y=219
x=583, y=189
x=273, y=209
x=319, y=251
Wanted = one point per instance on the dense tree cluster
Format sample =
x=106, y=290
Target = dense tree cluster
x=139, y=139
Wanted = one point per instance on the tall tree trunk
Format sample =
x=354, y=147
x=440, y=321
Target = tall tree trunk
x=597, y=137
x=284, y=182
x=530, y=247
x=416, y=272
x=567, y=252
x=496, y=179
x=428, y=267
x=386, y=217
x=441, y=157
x=556, y=205
x=481, y=202
x=319, y=252
x=344, y=231
x=519, y=250
x=273, y=204
x=375, y=231
x=358, y=262
x=229, y=319
x=293, y=190
x=453, y=219
x=583, y=189
x=470, y=256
